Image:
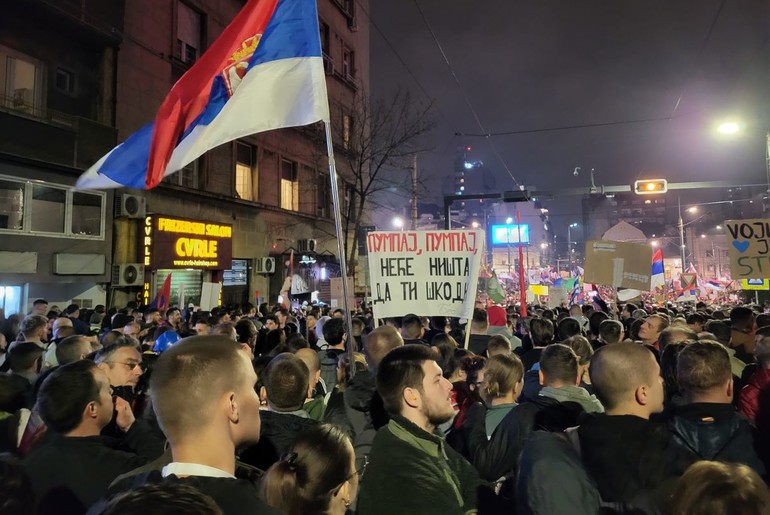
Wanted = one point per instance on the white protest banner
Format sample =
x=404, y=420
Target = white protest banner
x=427, y=273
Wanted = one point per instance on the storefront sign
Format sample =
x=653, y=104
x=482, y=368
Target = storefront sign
x=178, y=243
x=424, y=272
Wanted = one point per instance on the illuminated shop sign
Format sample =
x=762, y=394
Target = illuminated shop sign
x=179, y=243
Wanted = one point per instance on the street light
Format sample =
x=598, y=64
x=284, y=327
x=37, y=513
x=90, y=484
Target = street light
x=730, y=127
x=654, y=243
x=509, y=220
x=398, y=222
x=693, y=209
x=475, y=224
x=733, y=127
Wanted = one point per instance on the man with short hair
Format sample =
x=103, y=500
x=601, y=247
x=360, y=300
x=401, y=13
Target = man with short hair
x=311, y=319
x=39, y=307
x=133, y=330
x=478, y=340
x=62, y=328
x=286, y=387
x=651, y=329
x=412, y=469
x=73, y=348
x=174, y=318
x=225, y=329
x=246, y=333
x=202, y=327
x=25, y=359
x=743, y=328
x=73, y=312
x=33, y=328
x=202, y=390
x=72, y=467
x=122, y=363
x=412, y=330
x=675, y=334
x=610, y=332
x=707, y=424
x=335, y=335
x=631, y=459
x=498, y=344
x=315, y=402
x=696, y=322
x=152, y=317
x=541, y=331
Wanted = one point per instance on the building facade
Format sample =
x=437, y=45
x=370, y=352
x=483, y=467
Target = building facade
x=227, y=226
x=57, y=115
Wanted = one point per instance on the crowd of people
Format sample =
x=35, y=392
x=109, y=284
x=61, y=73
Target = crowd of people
x=261, y=410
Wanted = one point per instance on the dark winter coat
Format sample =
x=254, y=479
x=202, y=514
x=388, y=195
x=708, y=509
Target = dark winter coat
x=715, y=432
x=277, y=431
x=632, y=460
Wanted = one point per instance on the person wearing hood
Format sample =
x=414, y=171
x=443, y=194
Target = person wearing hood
x=707, y=424
x=498, y=324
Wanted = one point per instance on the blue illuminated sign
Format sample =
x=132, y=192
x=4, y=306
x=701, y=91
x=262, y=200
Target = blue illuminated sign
x=509, y=234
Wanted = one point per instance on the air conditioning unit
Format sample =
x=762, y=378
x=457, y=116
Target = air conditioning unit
x=130, y=206
x=265, y=265
x=306, y=245
x=128, y=274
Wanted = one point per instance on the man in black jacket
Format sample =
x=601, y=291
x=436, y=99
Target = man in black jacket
x=203, y=394
x=73, y=466
x=631, y=459
x=286, y=388
x=708, y=424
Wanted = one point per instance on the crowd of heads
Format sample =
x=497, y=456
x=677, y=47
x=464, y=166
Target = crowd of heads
x=254, y=383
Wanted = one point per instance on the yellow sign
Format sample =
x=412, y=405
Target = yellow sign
x=179, y=243
x=755, y=284
x=538, y=289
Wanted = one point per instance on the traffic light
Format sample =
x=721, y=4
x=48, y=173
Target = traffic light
x=650, y=186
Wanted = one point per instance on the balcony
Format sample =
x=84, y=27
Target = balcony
x=51, y=136
x=99, y=19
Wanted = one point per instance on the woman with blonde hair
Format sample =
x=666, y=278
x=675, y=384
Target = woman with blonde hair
x=502, y=384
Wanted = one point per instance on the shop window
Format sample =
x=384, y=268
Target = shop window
x=246, y=179
x=87, y=214
x=289, y=186
x=21, y=79
x=189, y=33
x=48, y=205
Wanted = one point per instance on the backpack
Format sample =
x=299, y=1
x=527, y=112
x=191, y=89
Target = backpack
x=328, y=360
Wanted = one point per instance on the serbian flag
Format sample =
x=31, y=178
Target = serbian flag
x=162, y=299
x=658, y=277
x=264, y=72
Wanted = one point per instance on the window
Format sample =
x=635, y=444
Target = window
x=189, y=24
x=323, y=196
x=86, y=214
x=346, y=128
x=21, y=80
x=48, y=209
x=325, y=38
x=187, y=177
x=289, y=186
x=11, y=205
x=65, y=81
x=246, y=185
x=348, y=63
x=48, y=205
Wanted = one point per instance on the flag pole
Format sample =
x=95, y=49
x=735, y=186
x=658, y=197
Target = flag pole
x=340, y=244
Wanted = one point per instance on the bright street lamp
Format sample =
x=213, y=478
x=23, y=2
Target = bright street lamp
x=654, y=243
x=398, y=222
x=693, y=209
x=509, y=220
x=569, y=241
x=730, y=127
x=475, y=224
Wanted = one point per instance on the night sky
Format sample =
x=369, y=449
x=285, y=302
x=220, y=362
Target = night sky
x=540, y=64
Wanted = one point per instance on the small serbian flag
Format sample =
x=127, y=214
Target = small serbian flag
x=264, y=72
x=658, y=277
x=162, y=299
